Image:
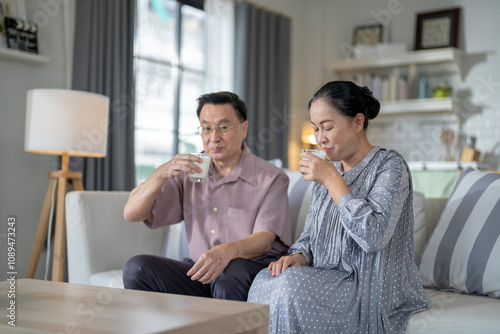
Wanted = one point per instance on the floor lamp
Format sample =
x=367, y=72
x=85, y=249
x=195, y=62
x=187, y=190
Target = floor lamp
x=66, y=123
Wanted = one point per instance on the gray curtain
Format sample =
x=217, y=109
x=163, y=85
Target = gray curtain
x=262, y=73
x=103, y=63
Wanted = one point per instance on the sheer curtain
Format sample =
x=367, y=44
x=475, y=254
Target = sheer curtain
x=220, y=45
x=262, y=73
x=103, y=63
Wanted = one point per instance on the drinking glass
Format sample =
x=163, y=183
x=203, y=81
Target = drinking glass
x=205, y=165
x=318, y=153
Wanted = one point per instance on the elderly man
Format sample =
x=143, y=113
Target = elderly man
x=237, y=221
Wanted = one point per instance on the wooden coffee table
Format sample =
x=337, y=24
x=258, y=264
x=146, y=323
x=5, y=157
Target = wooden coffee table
x=43, y=306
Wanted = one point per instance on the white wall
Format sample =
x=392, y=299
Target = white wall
x=24, y=176
x=321, y=26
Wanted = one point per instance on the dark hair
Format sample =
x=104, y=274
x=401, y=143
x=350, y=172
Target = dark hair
x=349, y=99
x=224, y=98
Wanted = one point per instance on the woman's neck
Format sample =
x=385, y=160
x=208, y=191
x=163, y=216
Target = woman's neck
x=363, y=148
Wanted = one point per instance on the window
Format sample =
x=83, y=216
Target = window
x=170, y=74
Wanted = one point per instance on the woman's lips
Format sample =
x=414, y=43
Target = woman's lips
x=327, y=149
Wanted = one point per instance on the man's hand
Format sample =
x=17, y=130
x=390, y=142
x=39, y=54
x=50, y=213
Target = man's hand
x=286, y=261
x=179, y=165
x=213, y=262
x=210, y=265
x=141, y=200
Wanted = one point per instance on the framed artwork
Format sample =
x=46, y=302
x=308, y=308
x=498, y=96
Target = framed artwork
x=437, y=29
x=370, y=34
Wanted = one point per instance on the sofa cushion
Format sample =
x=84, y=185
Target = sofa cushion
x=299, y=199
x=99, y=238
x=109, y=279
x=452, y=313
x=463, y=252
x=176, y=245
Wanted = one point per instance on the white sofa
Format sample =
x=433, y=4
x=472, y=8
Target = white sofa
x=100, y=242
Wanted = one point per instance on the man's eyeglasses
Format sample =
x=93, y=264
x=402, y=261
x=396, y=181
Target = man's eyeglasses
x=221, y=129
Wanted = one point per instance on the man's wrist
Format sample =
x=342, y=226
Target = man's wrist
x=230, y=249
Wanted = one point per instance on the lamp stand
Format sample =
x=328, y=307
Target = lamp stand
x=60, y=179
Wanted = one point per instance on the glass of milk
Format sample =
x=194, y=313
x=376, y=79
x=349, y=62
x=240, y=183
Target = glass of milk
x=318, y=153
x=205, y=165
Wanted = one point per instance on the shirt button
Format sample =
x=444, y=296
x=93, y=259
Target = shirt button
x=212, y=231
x=215, y=209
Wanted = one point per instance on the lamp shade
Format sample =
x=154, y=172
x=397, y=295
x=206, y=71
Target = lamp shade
x=62, y=121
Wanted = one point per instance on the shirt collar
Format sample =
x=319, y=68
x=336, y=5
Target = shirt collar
x=353, y=173
x=245, y=168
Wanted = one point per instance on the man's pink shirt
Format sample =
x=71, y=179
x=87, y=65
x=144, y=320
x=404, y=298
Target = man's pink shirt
x=253, y=197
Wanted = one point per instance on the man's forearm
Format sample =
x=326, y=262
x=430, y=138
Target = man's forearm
x=252, y=246
x=141, y=200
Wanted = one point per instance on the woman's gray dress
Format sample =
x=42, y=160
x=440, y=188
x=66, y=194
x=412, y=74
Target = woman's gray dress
x=360, y=275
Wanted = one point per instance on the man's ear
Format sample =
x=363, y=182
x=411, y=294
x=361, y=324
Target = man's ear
x=244, y=127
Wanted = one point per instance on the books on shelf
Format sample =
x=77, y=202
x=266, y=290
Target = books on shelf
x=385, y=88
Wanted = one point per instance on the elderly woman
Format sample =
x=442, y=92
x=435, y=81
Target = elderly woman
x=352, y=269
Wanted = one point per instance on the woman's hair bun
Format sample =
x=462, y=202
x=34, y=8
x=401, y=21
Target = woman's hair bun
x=372, y=104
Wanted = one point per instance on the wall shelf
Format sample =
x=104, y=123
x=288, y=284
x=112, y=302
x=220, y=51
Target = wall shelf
x=417, y=106
x=391, y=64
x=421, y=57
x=22, y=56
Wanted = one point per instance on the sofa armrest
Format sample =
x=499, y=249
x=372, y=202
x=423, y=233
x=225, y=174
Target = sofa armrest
x=99, y=238
x=433, y=209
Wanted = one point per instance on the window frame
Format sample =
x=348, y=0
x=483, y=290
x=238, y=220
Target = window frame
x=177, y=69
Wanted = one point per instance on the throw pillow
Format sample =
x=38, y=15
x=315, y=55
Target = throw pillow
x=463, y=252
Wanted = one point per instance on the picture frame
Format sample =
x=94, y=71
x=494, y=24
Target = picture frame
x=368, y=34
x=438, y=29
x=21, y=34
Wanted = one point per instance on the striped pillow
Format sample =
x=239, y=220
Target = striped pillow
x=463, y=253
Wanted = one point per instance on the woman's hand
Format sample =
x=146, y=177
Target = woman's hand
x=316, y=169
x=287, y=261
x=324, y=172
